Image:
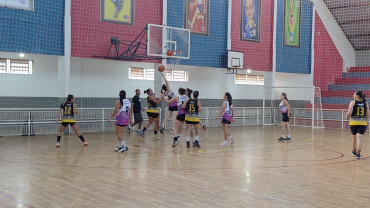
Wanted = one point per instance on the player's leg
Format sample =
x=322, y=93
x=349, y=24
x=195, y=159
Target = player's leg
x=75, y=128
x=61, y=130
x=168, y=115
x=187, y=133
x=156, y=126
x=196, y=128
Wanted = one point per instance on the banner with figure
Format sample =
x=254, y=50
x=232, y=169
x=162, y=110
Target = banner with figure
x=292, y=23
x=250, y=20
x=196, y=16
x=118, y=11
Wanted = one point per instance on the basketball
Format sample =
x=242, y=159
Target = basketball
x=161, y=68
x=169, y=52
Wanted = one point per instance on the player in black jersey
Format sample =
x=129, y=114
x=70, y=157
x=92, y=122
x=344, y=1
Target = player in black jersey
x=358, y=115
x=192, y=108
x=152, y=112
x=68, y=109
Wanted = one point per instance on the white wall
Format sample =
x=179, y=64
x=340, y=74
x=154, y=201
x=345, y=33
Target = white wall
x=363, y=58
x=105, y=78
x=43, y=83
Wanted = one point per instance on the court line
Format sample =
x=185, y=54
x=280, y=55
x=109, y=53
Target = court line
x=229, y=187
x=14, y=199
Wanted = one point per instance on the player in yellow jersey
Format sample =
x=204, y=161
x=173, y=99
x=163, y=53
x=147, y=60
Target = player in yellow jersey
x=192, y=108
x=358, y=115
x=67, y=110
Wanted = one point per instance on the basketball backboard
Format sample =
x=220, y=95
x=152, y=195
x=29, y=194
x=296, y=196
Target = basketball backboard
x=235, y=60
x=164, y=38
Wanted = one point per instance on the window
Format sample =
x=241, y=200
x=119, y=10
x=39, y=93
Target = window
x=249, y=79
x=141, y=73
x=177, y=75
x=16, y=66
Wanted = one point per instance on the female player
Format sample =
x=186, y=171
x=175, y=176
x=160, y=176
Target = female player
x=227, y=113
x=285, y=111
x=192, y=108
x=358, y=115
x=123, y=113
x=180, y=118
x=152, y=113
x=172, y=107
x=69, y=109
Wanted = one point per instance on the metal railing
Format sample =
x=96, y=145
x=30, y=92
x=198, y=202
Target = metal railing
x=43, y=121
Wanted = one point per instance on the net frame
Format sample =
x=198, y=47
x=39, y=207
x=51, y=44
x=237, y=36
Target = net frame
x=317, y=120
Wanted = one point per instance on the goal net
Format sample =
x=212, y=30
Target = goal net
x=305, y=104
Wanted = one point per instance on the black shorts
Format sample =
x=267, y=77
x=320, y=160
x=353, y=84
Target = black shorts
x=192, y=122
x=138, y=118
x=225, y=121
x=173, y=108
x=121, y=125
x=358, y=129
x=153, y=115
x=181, y=117
x=285, y=117
x=65, y=124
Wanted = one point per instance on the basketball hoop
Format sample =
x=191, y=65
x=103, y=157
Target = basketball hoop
x=233, y=70
x=173, y=56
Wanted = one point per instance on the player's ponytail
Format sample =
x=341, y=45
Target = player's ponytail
x=229, y=98
x=147, y=91
x=122, y=95
x=361, y=95
x=196, y=95
x=285, y=96
x=69, y=98
x=189, y=92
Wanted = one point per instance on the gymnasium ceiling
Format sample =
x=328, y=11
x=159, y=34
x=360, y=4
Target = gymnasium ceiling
x=353, y=16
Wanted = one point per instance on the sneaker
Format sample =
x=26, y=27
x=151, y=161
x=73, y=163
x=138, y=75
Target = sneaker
x=85, y=143
x=187, y=144
x=172, y=131
x=58, y=144
x=117, y=149
x=174, y=143
x=281, y=139
x=128, y=129
x=142, y=133
x=354, y=153
x=161, y=129
x=155, y=136
x=288, y=138
x=125, y=149
x=204, y=127
x=358, y=156
x=138, y=131
x=194, y=145
x=232, y=140
x=224, y=143
x=197, y=143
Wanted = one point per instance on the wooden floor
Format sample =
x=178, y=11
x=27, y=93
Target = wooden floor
x=315, y=169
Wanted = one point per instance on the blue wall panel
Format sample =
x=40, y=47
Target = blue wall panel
x=208, y=51
x=40, y=31
x=294, y=59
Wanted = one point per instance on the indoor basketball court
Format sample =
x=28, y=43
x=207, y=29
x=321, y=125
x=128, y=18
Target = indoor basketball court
x=194, y=103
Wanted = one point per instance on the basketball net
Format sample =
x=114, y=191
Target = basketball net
x=173, y=58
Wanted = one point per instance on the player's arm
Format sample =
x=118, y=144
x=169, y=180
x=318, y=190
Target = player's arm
x=166, y=83
x=116, y=108
x=222, y=111
x=170, y=101
x=367, y=111
x=286, y=103
x=184, y=104
x=130, y=114
x=59, y=114
x=350, y=109
x=156, y=101
x=75, y=109
x=199, y=106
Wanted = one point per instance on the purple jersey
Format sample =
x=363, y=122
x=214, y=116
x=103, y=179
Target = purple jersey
x=122, y=117
x=283, y=108
x=182, y=99
x=228, y=114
